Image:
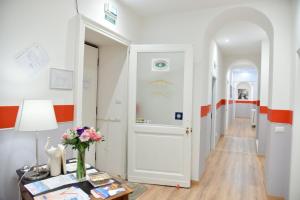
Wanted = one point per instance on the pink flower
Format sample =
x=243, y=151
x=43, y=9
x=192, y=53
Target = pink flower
x=95, y=136
x=85, y=136
x=66, y=136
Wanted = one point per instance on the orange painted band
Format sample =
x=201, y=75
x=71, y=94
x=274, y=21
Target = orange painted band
x=247, y=102
x=8, y=114
x=280, y=116
x=205, y=110
x=222, y=102
x=263, y=109
x=230, y=101
x=64, y=113
x=277, y=116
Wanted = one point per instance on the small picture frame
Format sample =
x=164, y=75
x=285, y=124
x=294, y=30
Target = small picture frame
x=243, y=94
x=61, y=79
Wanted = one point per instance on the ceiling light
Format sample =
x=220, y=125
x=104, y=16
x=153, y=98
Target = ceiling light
x=227, y=40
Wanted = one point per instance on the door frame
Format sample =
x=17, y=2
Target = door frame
x=188, y=49
x=82, y=23
x=79, y=24
x=213, y=113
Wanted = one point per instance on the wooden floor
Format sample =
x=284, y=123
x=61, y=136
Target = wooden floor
x=233, y=171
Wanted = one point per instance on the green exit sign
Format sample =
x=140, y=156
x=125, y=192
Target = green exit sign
x=111, y=13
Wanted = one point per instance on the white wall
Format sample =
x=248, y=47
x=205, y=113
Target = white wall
x=217, y=67
x=128, y=23
x=264, y=73
x=20, y=28
x=48, y=23
x=294, y=192
x=262, y=128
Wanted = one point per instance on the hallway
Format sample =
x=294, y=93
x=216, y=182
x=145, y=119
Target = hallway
x=233, y=171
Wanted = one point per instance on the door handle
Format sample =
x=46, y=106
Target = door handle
x=187, y=131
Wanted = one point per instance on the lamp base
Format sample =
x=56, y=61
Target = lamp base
x=36, y=174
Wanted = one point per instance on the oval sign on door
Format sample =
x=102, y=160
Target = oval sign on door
x=161, y=64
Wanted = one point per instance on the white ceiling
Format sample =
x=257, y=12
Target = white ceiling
x=152, y=7
x=240, y=38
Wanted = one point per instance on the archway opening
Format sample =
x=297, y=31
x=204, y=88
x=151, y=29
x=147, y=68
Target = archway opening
x=238, y=40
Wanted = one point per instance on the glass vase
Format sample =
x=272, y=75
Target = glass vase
x=81, y=171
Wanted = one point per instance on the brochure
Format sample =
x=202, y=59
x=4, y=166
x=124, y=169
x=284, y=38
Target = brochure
x=107, y=191
x=50, y=183
x=71, y=193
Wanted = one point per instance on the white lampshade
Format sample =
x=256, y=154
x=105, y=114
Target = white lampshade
x=36, y=115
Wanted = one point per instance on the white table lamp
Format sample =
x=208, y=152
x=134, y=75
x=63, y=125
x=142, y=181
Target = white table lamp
x=36, y=115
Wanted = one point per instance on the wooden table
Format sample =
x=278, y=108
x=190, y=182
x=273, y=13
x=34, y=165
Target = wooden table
x=85, y=186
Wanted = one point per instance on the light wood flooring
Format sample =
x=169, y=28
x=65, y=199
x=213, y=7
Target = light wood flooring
x=233, y=171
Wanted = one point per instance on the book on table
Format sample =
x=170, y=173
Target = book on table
x=100, y=179
x=107, y=191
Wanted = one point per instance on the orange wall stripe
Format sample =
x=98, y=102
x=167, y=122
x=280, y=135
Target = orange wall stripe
x=276, y=116
x=64, y=113
x=8, y=114
x=280, y=116
x=247, y=102
x=205, y=110
x=258, y=102
x=222, y=102
x=230, y=101
x=263, y=109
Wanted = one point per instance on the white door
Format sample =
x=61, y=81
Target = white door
x=89, y=96
x=160, y=111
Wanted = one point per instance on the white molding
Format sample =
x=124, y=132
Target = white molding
x=84, y=22
x=88, y=23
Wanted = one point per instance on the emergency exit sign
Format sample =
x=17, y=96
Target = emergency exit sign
x=111, y=13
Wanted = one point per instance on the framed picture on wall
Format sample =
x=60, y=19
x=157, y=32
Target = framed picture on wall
x=61, y=79
x=243, y=94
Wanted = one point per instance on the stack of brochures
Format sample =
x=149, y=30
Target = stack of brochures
x=107, y=191
x=70, y=193
x=54, y=182
x=99, y=179
x=50, y=183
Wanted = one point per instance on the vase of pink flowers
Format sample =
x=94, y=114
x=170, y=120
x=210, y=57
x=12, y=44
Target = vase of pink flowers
x=80, y=139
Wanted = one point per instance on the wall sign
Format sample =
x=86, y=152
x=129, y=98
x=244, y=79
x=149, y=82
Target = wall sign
x=33, y=58
x=111, y=13
x=161, y=64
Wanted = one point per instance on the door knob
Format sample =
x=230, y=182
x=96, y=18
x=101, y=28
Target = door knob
x=187, y=131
